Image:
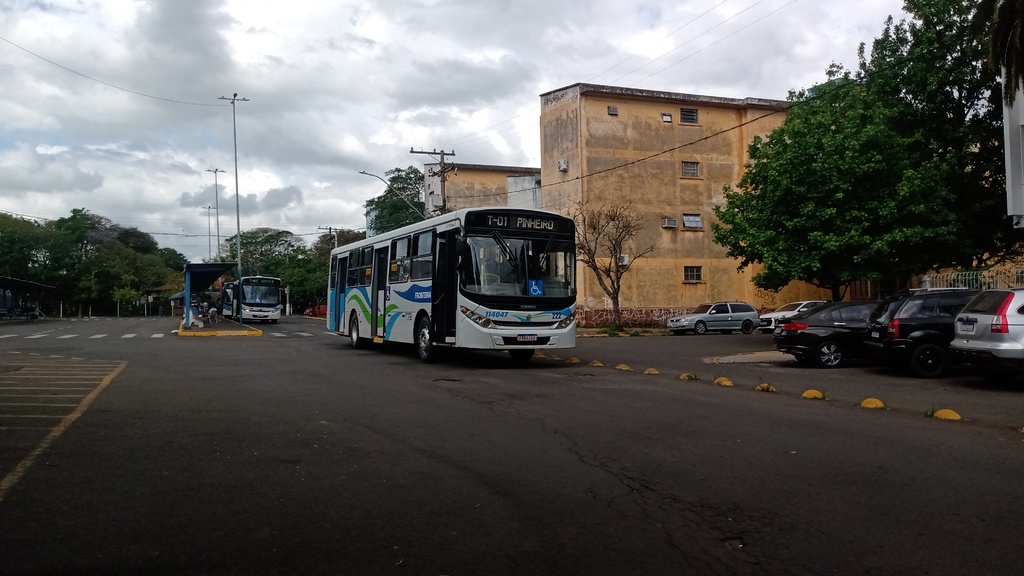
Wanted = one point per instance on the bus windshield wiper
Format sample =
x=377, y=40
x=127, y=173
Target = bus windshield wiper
x=506, y=249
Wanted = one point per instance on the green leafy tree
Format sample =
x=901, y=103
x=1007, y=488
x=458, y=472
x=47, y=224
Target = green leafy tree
x=20, y=240
x=882, y=174
x=1000, y=24
x=264, y=250
x=400, y=203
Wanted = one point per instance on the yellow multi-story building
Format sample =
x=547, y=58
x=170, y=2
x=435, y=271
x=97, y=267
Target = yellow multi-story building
x=669, y=155
x=458, y=185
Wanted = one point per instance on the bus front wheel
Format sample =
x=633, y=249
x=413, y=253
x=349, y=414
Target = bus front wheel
x=425, y=348
x=353, y=332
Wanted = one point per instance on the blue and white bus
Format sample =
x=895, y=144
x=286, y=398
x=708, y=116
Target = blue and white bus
x=255, y=298
x=481, y=278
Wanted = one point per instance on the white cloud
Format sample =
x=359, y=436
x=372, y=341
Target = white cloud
x=123, y=118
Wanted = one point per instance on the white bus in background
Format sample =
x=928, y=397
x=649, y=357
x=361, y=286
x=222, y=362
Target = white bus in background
x=481, y=278
x=256, y=298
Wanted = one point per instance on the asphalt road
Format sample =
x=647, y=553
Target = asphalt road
x=293, y=454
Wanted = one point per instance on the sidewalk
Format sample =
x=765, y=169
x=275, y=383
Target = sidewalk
x=220, y=328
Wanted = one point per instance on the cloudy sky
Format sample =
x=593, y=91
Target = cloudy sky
x=113, y=105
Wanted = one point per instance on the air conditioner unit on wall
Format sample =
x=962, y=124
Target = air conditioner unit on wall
x=623, y=259
x=669, y=223
x=563, y=165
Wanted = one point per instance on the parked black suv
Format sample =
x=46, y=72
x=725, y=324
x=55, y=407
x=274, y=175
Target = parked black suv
x=913, y=330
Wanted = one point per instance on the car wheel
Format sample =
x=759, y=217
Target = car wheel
x=521, y=356
x=425, y=348
x=828, y=354
x=928, y=361
x=353, y=332
x=700, y=327
x=747, y=327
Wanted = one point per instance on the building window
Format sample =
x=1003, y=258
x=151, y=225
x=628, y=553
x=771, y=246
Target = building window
x=688, y=116
x=692, y=221
x=666, y=118
x=691, y=169
x=613, y=110
x=692, y=275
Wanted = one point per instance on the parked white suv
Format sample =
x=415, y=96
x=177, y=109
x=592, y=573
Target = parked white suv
x=990, y=332
x=770, y=319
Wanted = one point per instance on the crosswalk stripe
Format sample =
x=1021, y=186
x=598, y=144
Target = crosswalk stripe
x=67, y=336
x=157, y=336
x=8, y=335
x=278, y=334
x=98, y=336
x=129, y=336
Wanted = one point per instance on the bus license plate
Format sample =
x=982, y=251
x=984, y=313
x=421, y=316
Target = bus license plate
x=526, y=338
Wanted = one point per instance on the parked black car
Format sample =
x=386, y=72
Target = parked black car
x=913, y=331
x=827, y=335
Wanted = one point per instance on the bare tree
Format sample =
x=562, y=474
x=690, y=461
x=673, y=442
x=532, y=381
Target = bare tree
x=606, y=243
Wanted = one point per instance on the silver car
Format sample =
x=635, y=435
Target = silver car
x=724, y=317
x=990, y=332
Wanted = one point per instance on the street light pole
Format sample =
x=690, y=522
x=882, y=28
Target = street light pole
x=208, y=247
x=238, y=214
x=216, y=201
x=397, y=193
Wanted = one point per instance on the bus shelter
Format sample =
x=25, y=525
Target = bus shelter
x=198, y=278
x=15, y=297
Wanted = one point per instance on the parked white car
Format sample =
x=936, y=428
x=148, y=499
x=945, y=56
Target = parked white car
x=770, y=319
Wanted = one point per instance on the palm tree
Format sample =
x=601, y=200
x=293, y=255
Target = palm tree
x=1003, y=23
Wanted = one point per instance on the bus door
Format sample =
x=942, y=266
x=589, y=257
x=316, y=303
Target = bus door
x=445, y=285
x=339, y=277
x=380, y=284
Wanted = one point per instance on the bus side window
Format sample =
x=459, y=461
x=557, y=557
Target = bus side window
x=366, y=261
x=423, y=262
x=398, y=269
x=353, y=269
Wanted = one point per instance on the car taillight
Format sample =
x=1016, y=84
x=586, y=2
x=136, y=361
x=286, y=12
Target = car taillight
x=1000, y=325
x=893, y=329
x=794, y=326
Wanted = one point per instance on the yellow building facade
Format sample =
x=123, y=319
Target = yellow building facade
x=479, y=185
x=670, y=155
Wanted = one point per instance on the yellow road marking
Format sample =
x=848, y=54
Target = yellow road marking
x=19, y=471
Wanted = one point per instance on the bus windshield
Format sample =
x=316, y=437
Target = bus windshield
x=262, y=294
x=503, y=266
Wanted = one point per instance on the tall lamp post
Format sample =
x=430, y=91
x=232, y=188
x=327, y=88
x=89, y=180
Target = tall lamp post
x=216, y=202
x=208, y=247
x=238, y=214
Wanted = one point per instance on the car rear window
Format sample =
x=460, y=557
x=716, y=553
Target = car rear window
x=988, y=302
x=736, y=308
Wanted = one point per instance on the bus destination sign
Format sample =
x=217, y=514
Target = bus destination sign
x=514, y=221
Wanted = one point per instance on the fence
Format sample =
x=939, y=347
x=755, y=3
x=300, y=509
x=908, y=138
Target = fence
x=978, y=279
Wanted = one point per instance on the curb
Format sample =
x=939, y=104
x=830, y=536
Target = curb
x=246, y=331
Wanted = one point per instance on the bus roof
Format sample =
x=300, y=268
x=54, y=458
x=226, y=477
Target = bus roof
x=456, y=216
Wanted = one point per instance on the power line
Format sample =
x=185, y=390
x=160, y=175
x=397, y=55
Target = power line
x=114, y=86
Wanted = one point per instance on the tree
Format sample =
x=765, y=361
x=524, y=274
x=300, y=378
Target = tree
x=602, y=235
x=264, y=250
x=882, y=174
x=1000, y=24
x=20, y=240
x=400, y=204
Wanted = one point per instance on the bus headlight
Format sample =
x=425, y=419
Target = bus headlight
x=566, y=322
x=476, y=318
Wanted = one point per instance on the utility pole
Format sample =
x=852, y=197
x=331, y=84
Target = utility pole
x=332, y=231
x=216, y=203
x=442, y=172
